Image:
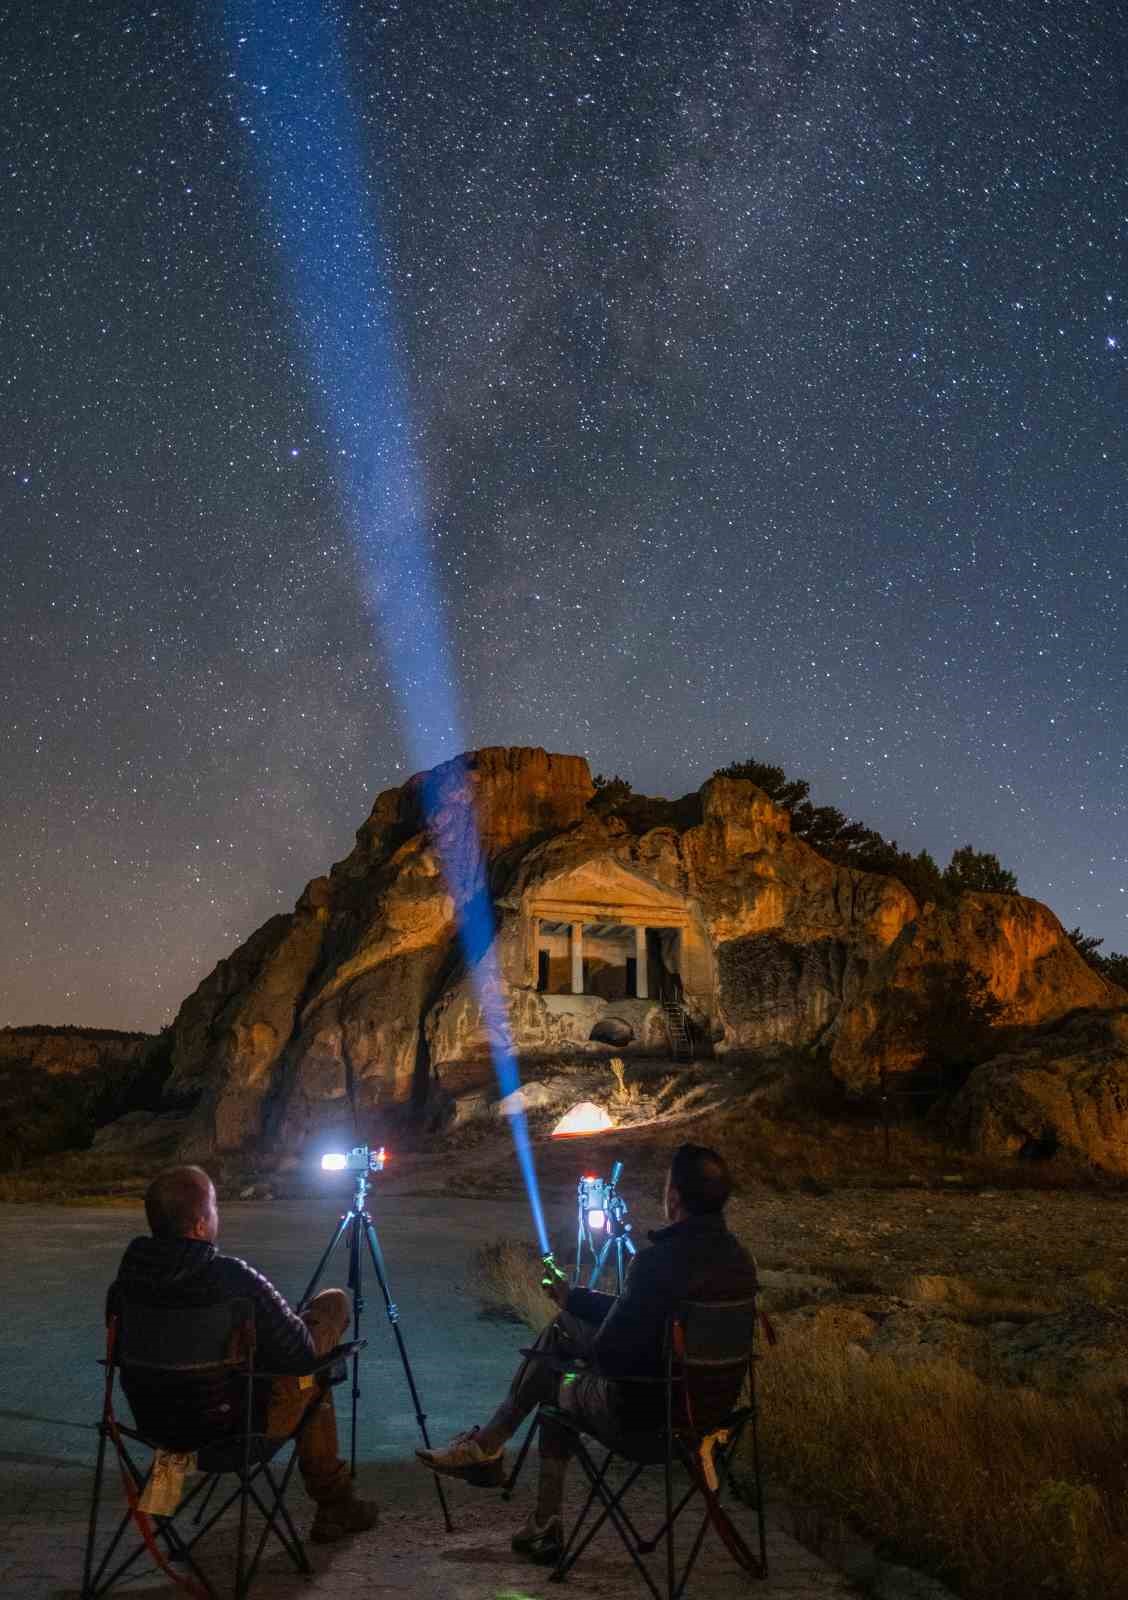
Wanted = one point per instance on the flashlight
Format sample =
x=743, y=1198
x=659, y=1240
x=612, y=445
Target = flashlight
x=552, y=1273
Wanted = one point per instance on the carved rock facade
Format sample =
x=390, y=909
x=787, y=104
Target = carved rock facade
x=602, y=923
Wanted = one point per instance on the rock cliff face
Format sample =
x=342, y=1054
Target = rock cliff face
x=1015, y=944
x=365, y=992
x=70, y=1052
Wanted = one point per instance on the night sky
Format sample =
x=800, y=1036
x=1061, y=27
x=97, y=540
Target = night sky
x=764, y=366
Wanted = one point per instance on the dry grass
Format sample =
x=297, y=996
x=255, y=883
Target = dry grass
x=77, y=1177
x=508, y=1281
x=1003, y=1492
x=979, y=1300
x=784, y=1154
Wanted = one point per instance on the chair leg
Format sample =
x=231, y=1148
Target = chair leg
x=565, y=1561
x=757, y=1477
x=612, y=1511
x=669, y=1518
x=92, y=1527
x=213, y=1484
x=511, y=1481
x=290, y=1539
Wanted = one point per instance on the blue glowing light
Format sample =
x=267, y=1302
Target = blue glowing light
x=289, y=74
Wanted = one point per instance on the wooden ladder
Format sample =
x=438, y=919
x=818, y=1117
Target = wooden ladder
x=677, y=1030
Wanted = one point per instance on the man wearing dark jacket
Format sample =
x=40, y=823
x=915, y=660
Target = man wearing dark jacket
x=179, y=1267
x=695, y=1258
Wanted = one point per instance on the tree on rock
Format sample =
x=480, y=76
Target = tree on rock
x=1114, y=966
x=979, y=870
x=786, y=792
x=611, y=791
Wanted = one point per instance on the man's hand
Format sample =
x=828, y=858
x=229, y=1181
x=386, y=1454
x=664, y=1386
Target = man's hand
x=557, y=1290
x=555, y=1282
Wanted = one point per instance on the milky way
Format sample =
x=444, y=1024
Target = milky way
x=766, y=369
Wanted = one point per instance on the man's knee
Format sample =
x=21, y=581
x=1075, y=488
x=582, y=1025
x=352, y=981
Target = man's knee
x=327, y=1317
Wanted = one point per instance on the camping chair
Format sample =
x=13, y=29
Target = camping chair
x=192, y=1385
x=709, y=1351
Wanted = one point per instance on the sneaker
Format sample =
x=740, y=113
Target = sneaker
x=464, y=1458
x=542, y=1542
x=336, y=1519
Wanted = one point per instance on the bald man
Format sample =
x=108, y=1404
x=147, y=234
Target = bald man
x=178, y=1266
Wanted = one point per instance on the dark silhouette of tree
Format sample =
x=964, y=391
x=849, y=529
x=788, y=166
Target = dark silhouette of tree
x=610, y=792
x=978, y=869
x=1114, y=966
x=853, y=844
x=785, y=791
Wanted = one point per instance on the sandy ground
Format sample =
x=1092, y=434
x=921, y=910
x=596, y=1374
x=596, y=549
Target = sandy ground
x=55, y=1265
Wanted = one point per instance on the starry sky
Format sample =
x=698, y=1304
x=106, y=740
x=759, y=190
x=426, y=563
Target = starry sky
x=760, y=369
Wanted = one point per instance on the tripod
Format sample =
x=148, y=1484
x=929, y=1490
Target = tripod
x=602, y=1209
x=618, y=1243
x=357, y=1225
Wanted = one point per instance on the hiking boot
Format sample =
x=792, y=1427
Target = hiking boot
x=464, y=1458
x=542, y=1542
x=336, y=1519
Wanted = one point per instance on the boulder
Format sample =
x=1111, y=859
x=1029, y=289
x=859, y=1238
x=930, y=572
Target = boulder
x=529, y=1097
x=1062, y=1087
x=141, y=1130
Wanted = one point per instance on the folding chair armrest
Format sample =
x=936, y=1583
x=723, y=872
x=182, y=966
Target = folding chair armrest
x=338, y=1355
x=554, y=1359
x=343, y=1352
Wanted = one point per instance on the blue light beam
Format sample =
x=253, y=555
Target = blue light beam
x=289, y=82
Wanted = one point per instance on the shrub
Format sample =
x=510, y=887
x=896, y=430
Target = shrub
x=1003, y=1492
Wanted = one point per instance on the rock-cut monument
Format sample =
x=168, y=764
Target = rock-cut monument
x=712, y=930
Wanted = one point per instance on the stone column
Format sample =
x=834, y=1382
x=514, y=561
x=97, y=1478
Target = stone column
x=577, y=944
x=641, y=989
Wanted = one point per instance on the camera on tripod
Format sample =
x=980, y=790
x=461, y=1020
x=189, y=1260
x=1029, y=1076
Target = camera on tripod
x=359, y=1159
x=602, y=1229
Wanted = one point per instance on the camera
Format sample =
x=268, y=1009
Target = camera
x=602, y=1231
x=359, y=1159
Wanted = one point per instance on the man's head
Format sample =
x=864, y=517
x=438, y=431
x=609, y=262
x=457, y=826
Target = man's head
x=698, y=1183
x=180, y=1204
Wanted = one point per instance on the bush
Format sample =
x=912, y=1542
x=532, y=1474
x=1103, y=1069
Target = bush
x=1003, y=1492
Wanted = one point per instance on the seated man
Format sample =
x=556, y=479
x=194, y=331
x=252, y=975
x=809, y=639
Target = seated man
x=695, y=1258
x=179, y=1267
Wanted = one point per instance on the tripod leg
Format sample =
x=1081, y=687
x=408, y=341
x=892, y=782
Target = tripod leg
x=600, y=1261
x=358, y=1307
x=311, y=1287
x=393, y=1317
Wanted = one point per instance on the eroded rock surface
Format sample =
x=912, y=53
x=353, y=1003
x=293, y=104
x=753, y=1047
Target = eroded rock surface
x=380, y=985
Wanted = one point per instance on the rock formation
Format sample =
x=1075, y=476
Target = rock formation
x=70, y=1052
x=56, y=1082
x=605, y=924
